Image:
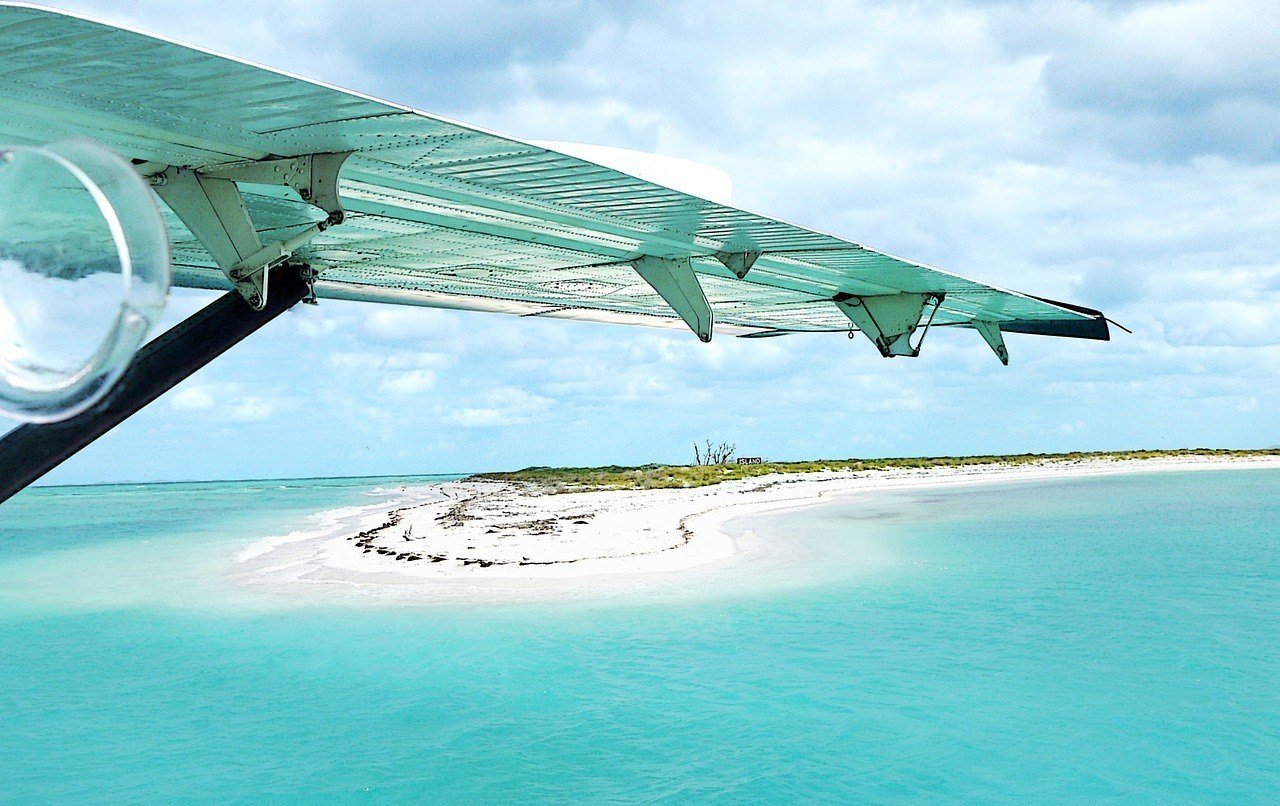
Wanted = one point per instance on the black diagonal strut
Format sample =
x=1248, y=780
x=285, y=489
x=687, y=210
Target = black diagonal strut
x=30, y=451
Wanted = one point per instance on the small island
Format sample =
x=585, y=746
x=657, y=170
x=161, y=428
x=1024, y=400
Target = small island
x=517, y=530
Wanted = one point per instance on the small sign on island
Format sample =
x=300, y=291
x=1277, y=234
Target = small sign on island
x=749, y=460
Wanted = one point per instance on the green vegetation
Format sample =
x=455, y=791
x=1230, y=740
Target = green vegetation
x=647, y=477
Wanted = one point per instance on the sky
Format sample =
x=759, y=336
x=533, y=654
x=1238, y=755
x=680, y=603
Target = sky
x=1121, y=155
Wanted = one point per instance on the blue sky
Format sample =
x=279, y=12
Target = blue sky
x=1125, y=156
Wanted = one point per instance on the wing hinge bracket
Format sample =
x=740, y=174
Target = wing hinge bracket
x=991, y=334
x=890, y=320
x=677, y=284
x=209, y=203
x=738, y=262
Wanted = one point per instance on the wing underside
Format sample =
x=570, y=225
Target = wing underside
x=442, y=214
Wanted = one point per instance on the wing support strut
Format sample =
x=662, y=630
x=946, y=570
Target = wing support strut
x=889, y=320
x=676, y=282
x=209, y=202
x=29, y=451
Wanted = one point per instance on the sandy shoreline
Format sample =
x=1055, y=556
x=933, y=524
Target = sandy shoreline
x=476, y=539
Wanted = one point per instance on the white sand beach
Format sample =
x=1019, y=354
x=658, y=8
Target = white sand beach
x=493, y=540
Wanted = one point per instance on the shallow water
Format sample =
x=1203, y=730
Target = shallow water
x=1110, y=637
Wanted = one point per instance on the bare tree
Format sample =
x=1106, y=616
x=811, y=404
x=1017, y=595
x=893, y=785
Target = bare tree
x=722, y=453
x=712, y=454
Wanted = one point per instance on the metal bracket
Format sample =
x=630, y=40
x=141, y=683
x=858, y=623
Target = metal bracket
x=313, y=176
x=889, y=320
x=309, y=276
x=676, y=282
x=209, y=203
x=738, y=262
x=995, y=340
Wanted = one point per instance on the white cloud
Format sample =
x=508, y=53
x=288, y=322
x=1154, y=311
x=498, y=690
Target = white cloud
x=396, y=360
x=251, y=409
x=405, y=323
x=225, y=400
x=502, y=407
x=316, y=325
x=414, y=382
x=192, y=398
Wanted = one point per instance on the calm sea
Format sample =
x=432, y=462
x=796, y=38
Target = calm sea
x=1097, y=638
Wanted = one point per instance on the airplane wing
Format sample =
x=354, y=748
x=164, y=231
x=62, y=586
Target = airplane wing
x=389, y=204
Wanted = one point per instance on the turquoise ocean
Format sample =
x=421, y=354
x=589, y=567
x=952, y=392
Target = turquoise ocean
x=1071, y=640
